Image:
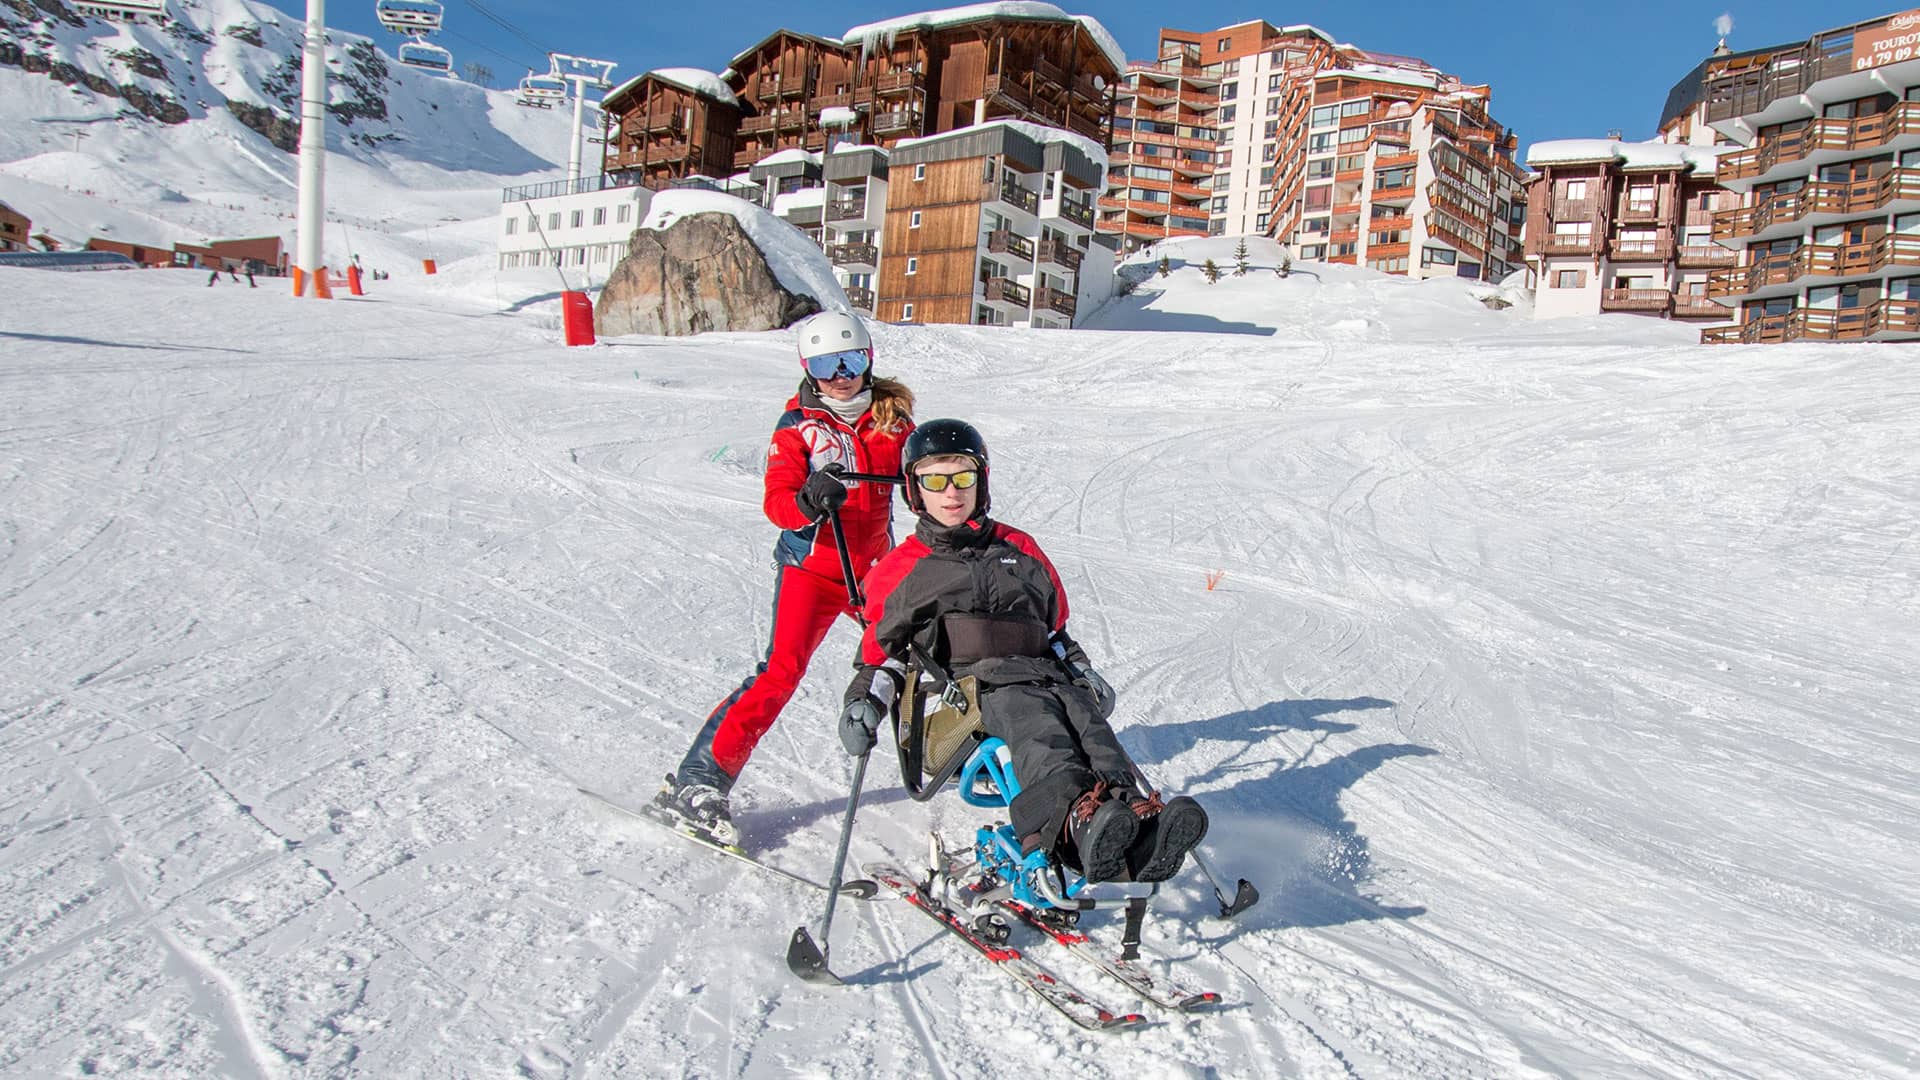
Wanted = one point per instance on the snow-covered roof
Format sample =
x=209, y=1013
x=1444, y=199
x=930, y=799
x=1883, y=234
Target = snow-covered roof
x=796, y=261
x=869, y=35
x=704, y=83
x=851, y=147
x=1039, y=133
x=1628, y=155
x=790, y=155
x=1379, y=73
x=838, y=116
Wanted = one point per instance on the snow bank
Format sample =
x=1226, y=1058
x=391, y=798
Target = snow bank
x=700, y=81
x=1654, y=154
x=796, y=261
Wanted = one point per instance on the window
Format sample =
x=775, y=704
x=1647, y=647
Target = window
x=533, y=222
x=513, y=225
x=1219, y=204
x=599, y=215
x=1356, y=107
x=1319, y=198
x=920, y=171
x=1313, y=251
x=986, y=173
x=913, y=267
x=1581, y=231
x=1575, y=189
x=553, y=220
x=1267, y=152
x=1353, y=135
x=579, y=256
x=1273, y=106
x=1324, y=116
x=913, y=222
x=578, y=218
x=906, y=312
x=1227, y=113
x=1565, y=279
x=1048, y=188
x=1320, y=142
x=1223, y=45
x=1260, y=222
x=1229, y=91
x=1444, y=257
x=1640, y=198
x=1148, y=172
x=1320, y=168
x=624, y=213
x=1275, y=82
x=1271, y=130
x=1266, y=176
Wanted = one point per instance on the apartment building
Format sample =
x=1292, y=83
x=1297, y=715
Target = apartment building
x=1828, y=174
x=856, y=179
x=993, y=224
x=1345, y=155
x=1626, y=227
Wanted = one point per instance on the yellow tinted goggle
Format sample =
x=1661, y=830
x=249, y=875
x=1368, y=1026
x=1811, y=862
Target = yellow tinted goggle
x=939, y=481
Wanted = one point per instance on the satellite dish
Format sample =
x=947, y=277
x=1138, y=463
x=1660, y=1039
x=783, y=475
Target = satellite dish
x=1099, y=83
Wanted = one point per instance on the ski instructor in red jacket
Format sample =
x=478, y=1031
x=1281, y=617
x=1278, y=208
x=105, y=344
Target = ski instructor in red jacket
x=843, y=419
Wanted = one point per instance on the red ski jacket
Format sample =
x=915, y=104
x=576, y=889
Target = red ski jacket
x=808, y=438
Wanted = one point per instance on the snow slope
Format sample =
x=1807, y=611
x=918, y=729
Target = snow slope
x=1557, y=689
x=408, y=152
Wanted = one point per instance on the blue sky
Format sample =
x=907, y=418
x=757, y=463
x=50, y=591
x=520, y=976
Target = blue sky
x=1558, y=70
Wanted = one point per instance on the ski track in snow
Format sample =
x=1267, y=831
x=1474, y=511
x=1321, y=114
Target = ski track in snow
x=1552, y=692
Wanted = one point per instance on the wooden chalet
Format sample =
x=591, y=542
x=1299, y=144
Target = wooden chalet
x=14, y=229
x=665, y=125
x=783, y=82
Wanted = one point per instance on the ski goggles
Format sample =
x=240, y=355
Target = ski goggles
x=938, y=481
x=848, y=364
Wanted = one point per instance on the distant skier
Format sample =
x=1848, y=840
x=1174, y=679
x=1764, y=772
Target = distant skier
x=983, y=600
x=252, y=266
x=213, y=277
x=842, y=419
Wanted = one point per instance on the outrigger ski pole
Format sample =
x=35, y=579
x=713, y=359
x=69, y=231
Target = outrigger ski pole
x=805, y=958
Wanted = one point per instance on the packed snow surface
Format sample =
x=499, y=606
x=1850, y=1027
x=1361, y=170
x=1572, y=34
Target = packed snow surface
x=1555, y=685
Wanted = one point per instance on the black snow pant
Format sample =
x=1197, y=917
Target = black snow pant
x=1061, y=748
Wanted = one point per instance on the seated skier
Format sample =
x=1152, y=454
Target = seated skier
x=980, y=598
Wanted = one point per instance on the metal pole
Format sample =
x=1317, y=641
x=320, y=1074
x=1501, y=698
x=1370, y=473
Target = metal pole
x=311, y=246
x=573, y=143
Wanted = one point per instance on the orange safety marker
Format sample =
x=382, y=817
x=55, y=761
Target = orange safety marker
x=1214, y=577
x=430, y=266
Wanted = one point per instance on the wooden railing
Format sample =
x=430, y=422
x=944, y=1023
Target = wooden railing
x=1706, y=255
x=1079, y=213
x=1699, y=306
x=1006, y=291
x=1820, y=197
x=1054, y=300
x=897, y=82
x=1635, y=300
x=860, y=296
x=855, y=254
x=1888, y=317
x=1008, y=191
x=1004, y=242
x=1660, y=249
x=846, y=209
x=1059, y=254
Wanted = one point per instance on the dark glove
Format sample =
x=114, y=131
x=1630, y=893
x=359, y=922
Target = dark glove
x=858, y=722
x=823, y=493
x=1103, y=695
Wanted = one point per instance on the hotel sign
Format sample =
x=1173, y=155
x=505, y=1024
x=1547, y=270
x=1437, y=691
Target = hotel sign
x=1888, y=41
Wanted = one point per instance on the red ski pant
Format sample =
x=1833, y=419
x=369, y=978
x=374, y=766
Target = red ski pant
x=804, y=607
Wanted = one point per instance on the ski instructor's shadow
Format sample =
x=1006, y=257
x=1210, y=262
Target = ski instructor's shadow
x=1281, y=813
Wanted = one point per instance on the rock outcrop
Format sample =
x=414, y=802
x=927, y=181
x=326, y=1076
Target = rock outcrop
x=701, y=273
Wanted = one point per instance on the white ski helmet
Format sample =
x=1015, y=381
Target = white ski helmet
x=828, y=342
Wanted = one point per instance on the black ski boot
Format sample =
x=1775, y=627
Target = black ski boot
x=1102, y=829
x=701, y=807
x=1165, y=838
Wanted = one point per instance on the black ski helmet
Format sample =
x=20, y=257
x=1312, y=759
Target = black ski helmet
x=940, y=438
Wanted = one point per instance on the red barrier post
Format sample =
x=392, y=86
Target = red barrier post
x=353, y=281
x=577, y=315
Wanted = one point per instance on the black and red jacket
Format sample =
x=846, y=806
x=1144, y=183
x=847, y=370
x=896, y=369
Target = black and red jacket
x=810, y=437
x=980, y=597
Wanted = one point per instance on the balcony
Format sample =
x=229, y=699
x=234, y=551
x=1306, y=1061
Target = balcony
x=1586, y=244
x=1006, y=89
x=854, y=256
x=1079, y=213
x=1058, y=254
x=1841, y=197
x=1706, y=255
x=896, y=121
x=1003, y=242
x=1699, y=306
x=860, y=297
x=1657, y=250
x=655, y=125
x=847, y=210
x=1888, y=319
x=1656, y=300
x=1401, y=194
x=754, y=125
x=1006, y=291
x=1395, y=161
x=1010, y=192
x=1573, y=210
x=1786, y=75
x=899, y=82
x=1053, y=300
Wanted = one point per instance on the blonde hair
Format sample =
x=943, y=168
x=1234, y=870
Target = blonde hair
x=892, y=404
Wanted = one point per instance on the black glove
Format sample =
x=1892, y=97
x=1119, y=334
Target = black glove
x=823, y=493
x=858, y=722
x=1103, y=695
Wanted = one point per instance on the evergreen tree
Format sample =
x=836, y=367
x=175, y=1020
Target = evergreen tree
x=1212, y=271
x=1286, y=263
x=1240, y=263
x=1166, y=267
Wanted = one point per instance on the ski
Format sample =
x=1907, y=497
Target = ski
x=686, y=830
x=1162, y=992
x=1044, y=984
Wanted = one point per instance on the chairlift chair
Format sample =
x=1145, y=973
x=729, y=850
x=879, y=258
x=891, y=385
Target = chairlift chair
x=420, y=54
x=125, y=11
x=542, y=91
x=412, y=17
